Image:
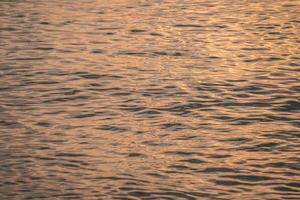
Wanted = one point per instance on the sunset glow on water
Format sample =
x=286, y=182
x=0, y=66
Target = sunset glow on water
x=153, y=99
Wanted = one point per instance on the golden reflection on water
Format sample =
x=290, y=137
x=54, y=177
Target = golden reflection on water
x=149, y=99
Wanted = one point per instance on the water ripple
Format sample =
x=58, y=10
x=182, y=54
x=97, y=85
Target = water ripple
x=149, y=99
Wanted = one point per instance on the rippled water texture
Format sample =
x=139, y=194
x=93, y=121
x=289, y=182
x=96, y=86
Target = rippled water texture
x=127, y=99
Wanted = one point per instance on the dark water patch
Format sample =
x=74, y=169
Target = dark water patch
x=180, y=168
x=87, y=75
x=44, y=48
x=193, y=161
x=229, y=183
x=9, y=124
x=148, y=113
x=98, y=51
x=132, y=53
x=186, y=137
x=8, y=29
x=70, y=155
x=137, y=31
x=121, y=94
x=156, y=34
x=219, y=156
x=160, y=53
x=136, y=155
x=292, y=64
x=255, y=49
x=249, y=120
x=139, y=194
x=250, y=178
x=189, y=25
x=132, y=108
x=45, y=23
x=55, y=141
x=60, y=100
x=182, y=153
x=44, y=124
x=84, y=115
x=238, y=140
x=112, y=128
x=264, y=147
x=273, y=58
x=109, y=28
x=294, y=184
x=29, y=58
x=71, y=92
x=106, y=89
x=283, y=165
x=182, y=109
x=289, y=106
x=157, y=175
x=174, y=126
x=286, y=189
x=218, y=170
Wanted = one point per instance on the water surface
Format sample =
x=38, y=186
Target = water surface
x=153, y=99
